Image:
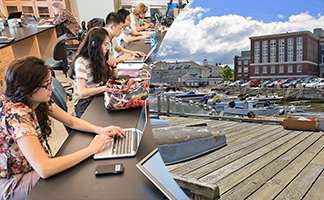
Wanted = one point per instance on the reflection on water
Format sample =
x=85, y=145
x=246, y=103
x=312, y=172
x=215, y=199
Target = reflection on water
x=179, y=106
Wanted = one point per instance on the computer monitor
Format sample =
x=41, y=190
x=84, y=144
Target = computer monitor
x=152, y=166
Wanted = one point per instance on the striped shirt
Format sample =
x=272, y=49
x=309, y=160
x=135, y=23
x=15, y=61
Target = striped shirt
x=83, y=70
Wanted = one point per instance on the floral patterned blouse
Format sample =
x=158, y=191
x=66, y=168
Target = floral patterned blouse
x=68, y=22
x=17, y=120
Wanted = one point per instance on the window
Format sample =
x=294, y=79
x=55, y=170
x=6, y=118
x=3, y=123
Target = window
x=273, y=51
x=239, y=70
x=290, y=69
x=281, y=69
x=299, y=69
x=257, y=52
x=246, y=70
x=256, y=70
x=264, y=51
x=239, y=62
x=245, y=62
x=264, y=70
x=290, y=49
x=281, y=50
x=273, y=69
x=299, y=49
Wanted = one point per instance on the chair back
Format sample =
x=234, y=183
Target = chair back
x=99, y=22
x=59, y=53
x=59, y=95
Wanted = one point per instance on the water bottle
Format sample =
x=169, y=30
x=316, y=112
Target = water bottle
x=153, y=42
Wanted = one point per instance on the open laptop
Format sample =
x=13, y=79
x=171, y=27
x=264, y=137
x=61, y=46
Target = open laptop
x=127, y=146
x=14, y=15
x=153, y=168
x=34, y=21
x=142, y=59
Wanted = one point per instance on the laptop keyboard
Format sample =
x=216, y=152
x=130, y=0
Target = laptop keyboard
x=124, y=145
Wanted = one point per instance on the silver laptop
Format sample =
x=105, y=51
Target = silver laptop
x=153, y=168
x=127, y=146
x=143, y=59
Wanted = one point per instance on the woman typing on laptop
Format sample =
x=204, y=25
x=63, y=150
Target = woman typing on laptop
x=91, y=68
x=25, y=126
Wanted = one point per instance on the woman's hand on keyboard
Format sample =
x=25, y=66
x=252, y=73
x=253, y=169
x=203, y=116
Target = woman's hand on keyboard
x=99, y=142
x=111, y=131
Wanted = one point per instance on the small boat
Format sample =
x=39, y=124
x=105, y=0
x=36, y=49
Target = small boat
x=266, y=98
x=191, y=95
x=237, y=102
x=248, y=110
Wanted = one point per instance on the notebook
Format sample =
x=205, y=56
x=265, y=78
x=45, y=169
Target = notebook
x=140, y=59
x=153, y=168
x=127, y=146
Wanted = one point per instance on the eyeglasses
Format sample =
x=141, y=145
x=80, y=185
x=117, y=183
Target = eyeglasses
x=47, y=86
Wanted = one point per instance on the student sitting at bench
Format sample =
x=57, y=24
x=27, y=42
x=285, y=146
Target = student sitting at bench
x=114, y=26
x=25, y=127
x=128, y=35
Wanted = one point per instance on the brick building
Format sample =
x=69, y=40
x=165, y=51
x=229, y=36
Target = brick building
x=286, y=55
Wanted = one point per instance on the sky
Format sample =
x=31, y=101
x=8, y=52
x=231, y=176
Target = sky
x=219, y=30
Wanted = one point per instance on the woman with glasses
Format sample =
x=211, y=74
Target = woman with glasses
x=91, y=68
x=25, y=126
x=137, y=17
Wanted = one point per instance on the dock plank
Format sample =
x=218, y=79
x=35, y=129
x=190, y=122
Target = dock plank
x=267, y=182
x=260, y=161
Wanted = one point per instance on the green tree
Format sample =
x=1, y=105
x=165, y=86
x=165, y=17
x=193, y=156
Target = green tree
x=228, y=74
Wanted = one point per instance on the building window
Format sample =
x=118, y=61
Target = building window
x=273, y=51
x=256, y=70
x=273, y=69
x=239, y=70
x=264, y=69
x=264, y=51
x=290, y=69
x=299, y=69
x=281, y=69
x=299, y=49
x=290, y=50
x=245, y=62
x=257, y=52
x=281, y=50
x=246, y=70
x=239, y=62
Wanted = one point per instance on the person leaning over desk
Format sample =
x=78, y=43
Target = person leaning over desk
x=128, y=35
x=25, y=154
x=114, y=26
x=66, y=20
x=137, y=16
x=91, y=67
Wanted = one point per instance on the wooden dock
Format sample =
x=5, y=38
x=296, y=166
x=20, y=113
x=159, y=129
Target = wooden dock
x=260, y=161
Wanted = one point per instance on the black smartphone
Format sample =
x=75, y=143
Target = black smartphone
x=109, y=169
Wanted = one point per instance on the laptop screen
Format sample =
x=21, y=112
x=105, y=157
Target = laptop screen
x=142, y=119
x=153, y=168
x=14, y=15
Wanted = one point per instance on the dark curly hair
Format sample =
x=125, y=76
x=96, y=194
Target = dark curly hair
x=23, y=78
x=91, y=50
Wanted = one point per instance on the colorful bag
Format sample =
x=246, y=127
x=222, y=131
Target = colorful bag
x=126, y=94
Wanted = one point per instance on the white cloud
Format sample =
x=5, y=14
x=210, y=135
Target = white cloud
x=281, y=16
x=217, y=36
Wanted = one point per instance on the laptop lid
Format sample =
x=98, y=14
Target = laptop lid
x=14, y=15
x=153, y=168
x=141, y=124
x=143, y=58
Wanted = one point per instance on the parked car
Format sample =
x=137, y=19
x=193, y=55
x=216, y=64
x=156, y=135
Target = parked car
x=292, y=83
x=236, y=83
x=281, y=82
x=320, y=83
x=265, y=83
x=313, y=83
x=272, y=84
